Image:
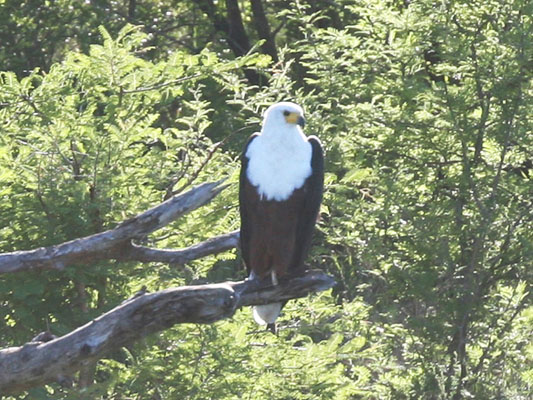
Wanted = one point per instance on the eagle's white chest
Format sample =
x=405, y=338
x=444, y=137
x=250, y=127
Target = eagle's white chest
x=278, y=164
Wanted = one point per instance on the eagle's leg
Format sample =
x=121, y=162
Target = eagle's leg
x=251, y=277
x=258, y=281
x=254, y=281
x=274, y=277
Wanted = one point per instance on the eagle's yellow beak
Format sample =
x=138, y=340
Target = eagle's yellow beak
x=295, y=118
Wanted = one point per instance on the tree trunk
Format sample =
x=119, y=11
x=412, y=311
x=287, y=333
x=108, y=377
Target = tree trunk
x=263, y=29
x=233, y=28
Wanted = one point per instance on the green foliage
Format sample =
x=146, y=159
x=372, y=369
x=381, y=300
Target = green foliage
x=424, y=110
x=431, y=139
x=97, y=139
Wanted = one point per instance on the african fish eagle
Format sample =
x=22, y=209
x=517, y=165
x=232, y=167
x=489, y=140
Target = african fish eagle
x=281, y=184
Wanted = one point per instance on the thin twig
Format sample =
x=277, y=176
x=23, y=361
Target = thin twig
x=162, y=85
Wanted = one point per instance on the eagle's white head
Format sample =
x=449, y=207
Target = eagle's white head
x=282, y=116
x=279, y=159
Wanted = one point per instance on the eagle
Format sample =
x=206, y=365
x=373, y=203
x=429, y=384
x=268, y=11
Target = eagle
x=280, y=191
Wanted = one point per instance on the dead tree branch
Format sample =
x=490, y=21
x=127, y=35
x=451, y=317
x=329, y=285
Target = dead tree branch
x=37, y=363
x=117, y=243
x=213, y=245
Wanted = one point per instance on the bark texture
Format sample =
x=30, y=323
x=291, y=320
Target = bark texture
x=38, y=362
x=117, y=243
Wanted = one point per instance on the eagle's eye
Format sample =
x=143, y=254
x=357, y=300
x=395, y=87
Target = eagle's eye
x=286, y=113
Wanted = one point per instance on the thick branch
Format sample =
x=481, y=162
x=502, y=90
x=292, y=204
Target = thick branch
x=37, y=363
x=111, y=243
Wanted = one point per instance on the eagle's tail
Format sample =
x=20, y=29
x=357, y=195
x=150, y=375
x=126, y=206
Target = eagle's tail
x=268, y=313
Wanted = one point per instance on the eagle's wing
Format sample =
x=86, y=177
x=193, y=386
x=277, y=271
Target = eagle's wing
x=313, y=187
x=246, y=223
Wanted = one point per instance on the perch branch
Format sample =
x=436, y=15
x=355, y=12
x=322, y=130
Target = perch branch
x=37, y=362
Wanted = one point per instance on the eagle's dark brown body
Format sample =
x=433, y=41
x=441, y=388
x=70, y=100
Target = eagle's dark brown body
x=276, y=235
x=273, y=232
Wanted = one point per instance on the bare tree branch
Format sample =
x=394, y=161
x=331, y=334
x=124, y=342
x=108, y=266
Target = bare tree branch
x=162, y=84
x=37, y=363
x=112, y=243
x=213, y=245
